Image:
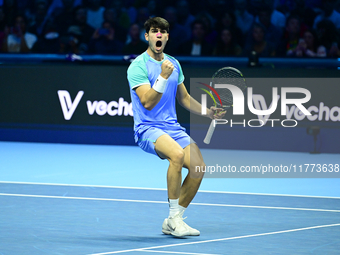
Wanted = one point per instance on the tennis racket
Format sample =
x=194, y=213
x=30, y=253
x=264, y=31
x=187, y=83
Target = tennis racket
x=222, y=96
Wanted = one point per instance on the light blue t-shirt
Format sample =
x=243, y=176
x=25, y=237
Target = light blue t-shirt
x=145, y=70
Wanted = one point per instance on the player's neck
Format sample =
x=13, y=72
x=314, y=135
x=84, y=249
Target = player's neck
x=155, y=56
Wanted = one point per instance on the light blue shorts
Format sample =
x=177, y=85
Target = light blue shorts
x=148, y=138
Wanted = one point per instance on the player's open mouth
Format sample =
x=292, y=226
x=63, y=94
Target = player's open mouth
x=158, y=45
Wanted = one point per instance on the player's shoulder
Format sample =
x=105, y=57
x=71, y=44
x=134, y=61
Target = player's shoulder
x=141, y=59
x=139, y=62
x=172, y=59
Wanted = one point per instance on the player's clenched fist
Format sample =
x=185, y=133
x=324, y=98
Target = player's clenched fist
x=167, y=68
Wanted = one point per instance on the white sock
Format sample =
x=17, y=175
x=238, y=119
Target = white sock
x=182, y=209
x=174, y=207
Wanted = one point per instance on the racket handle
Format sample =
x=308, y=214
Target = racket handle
x=209, y=133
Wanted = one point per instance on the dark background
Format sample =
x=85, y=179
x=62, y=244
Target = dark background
x=30, y=109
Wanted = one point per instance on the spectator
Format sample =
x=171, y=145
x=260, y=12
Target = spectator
x=110, y=15
x=273, y=33
x=334, y=51
x=308, y=46
x=2, y=27
x=152, y=7
x=37, y=23
x=337, y=6
x=21, y=6
x=211, y=34
x=10, y=9
x=254, y=6
x=95, y=13
x=228, y=20
x=142, y=16
x=197, y=46
x=49, y=42
x=184, y=16
x=80, y=20
x=178, y=32
x=17, y=39
x=197, y=6
x=122, y=14
x=313, y=4
x=136, y=46
x=218, y=8
x=291, y=37
x=328, y=13
x=307, y=14
x=3, y=23
x=58, y=6
x=258, y=42
x=328, y=37
x=244, y=19
x=103, y=41
x=277, y=18
x=71, y=43
x=285, y=6
x=130, y=10
x=64, y=16
x=226, y=44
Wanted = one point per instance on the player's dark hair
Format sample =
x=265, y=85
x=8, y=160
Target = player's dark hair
x=156, y=22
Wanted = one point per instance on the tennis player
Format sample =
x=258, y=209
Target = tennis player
x=156, y=80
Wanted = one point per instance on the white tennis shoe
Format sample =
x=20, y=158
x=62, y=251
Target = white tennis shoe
x=177, y=227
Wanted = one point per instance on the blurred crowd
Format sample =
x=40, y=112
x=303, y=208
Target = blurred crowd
x=282, y=28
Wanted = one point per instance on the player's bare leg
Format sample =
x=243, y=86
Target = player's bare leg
x=179, y=195
x=167, y=148
x=192, y=182
x=192, y=158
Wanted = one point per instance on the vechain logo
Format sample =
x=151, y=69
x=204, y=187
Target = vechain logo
x=68, y=107
x=101, y=108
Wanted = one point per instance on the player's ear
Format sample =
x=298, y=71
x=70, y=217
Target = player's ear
x=146, y=36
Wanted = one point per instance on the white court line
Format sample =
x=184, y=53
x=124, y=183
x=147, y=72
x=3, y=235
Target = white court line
x=159, y=189
x=87, y=198
x=164, y=202
x=176, y=252
x=81, y=185
x=268, y=207
x=221, y=239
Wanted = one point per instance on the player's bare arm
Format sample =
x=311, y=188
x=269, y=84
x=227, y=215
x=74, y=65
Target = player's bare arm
x=149, y=97
x=190, y=104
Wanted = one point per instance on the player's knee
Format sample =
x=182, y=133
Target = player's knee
x=177, y=157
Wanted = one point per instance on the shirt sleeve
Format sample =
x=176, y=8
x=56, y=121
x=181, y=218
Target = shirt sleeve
x=137, y=75
x=180, y=75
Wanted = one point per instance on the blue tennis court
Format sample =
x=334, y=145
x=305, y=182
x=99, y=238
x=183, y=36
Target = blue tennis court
x=90, y=199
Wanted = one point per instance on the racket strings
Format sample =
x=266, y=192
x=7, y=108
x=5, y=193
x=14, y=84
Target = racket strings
x=226, y=97
x=225, y=94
